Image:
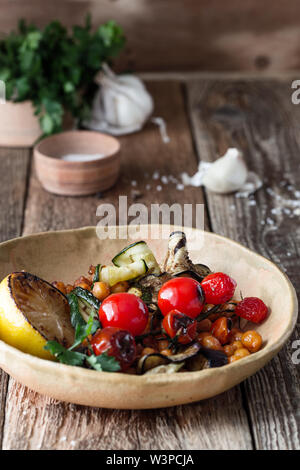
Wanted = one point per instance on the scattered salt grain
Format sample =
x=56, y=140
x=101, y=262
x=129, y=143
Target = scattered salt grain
x=180, y=187
x=148, y=186
x=252, y=202
x=164, y=179
x=159, y=187
x=155, y=175
x=133, y=183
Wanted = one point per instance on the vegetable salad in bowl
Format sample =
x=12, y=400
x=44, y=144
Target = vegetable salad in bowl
x=134, y=316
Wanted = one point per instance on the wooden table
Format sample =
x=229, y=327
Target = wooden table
x=204, y=117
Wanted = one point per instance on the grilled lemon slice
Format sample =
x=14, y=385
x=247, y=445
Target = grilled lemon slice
x=33, y=312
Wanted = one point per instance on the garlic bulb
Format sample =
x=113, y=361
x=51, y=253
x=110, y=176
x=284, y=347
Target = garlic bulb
x=227, y=174
x=121, y=105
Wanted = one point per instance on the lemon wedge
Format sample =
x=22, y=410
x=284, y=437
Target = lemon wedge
x=33, y=312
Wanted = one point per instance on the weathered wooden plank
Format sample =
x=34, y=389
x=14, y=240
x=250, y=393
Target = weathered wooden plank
x=13, y=175
x=176, y=35
x=259, y=118
x=35, y=422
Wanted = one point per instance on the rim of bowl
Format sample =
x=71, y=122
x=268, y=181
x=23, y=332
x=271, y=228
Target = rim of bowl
x=38, y=152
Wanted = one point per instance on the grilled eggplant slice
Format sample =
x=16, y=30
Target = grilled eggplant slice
x=215, y=358
x=150, y=361
x=152, y=283
x=165, y=369
x=177, y=261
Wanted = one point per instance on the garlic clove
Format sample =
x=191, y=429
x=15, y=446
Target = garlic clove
x=227, y=174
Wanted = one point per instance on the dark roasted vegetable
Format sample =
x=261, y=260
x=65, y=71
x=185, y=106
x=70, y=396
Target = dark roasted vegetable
x=150, y=286
x=155, y=359
x=215, y=357
x=177, y=261
x=165, y=369
x=87, y=296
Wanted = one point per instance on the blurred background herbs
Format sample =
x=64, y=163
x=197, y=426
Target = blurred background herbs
x=54, y=68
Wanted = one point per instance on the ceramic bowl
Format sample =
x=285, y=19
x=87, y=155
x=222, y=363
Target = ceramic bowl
x=77, y=178
x=19, y=127
x=67, y=254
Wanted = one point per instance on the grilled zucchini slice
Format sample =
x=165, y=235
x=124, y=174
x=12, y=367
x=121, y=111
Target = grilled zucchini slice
x=114, y=274
x=136, y=252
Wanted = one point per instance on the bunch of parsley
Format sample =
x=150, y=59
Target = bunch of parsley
x=55, y=68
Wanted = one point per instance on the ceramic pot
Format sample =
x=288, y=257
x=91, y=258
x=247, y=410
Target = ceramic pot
x=19, y=127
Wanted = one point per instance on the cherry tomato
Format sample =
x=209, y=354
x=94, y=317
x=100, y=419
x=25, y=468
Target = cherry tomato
x=117, y=343
x=218, y=288
x=177, y=323
x=221, y=329
x=252, y=309
x=125, y=311
x=183, y=294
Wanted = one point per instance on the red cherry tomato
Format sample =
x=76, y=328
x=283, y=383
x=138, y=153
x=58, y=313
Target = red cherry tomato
x=117, y=343
x=177, y=323
x=218, y=288
x=220, y=329
x=126, y=311
x=252, y=309
x=183, y=294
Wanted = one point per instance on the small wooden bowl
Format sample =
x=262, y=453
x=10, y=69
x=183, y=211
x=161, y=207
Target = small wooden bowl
x=77, y=178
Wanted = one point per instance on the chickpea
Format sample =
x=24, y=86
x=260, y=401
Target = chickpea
x=147, y=351
x=81, y=281
x=242, y=352
x=69, y=288
x=101, y=290
x=232, y=359
x=84, y=285
x=60, y=286
x=252, y=340
x=166, y=352
x=92, y=270
x=204, y=325
x=236, y=334
x=229, y=350
x=163, y=344
x=211, y=342
x=237, y=345
x=202, y=335
x=120, y=287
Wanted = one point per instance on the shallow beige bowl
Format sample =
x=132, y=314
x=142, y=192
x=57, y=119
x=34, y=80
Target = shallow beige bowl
x=66, y=255
x=73, y=178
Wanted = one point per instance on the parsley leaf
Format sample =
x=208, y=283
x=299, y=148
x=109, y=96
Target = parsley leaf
x=76, y=318
x=83, y=331
x=72, y=358
x=104, y=362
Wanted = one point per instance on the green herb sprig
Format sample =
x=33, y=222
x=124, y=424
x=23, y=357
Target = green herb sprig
x=55, y=68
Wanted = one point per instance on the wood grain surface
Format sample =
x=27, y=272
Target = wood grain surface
x=14, y=166
x=190, y=35
x=260, y=119
x=204, y=117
